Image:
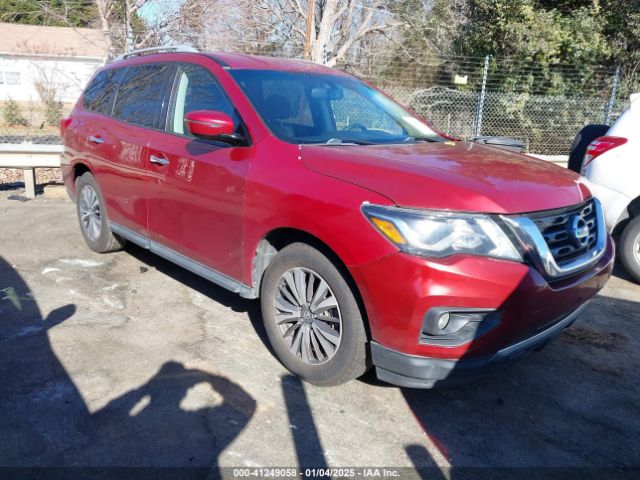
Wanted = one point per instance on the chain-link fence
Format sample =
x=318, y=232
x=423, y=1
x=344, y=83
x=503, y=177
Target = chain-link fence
x=32, y=121
x=542, y=105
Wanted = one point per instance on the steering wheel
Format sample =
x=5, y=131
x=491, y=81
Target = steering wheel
x=356, y=126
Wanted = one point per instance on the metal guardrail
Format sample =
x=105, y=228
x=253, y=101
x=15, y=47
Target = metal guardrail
x=28, y=157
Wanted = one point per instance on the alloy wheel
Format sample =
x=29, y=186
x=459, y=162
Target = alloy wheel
x=308, y=314
x=90, y=215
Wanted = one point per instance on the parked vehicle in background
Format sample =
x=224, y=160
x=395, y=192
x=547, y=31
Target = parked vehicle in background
x=580, y=144
x=369, y=238
x=612, y=166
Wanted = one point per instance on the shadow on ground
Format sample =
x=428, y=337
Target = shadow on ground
x=45, y=422
x=204, y=287
x=574, y=404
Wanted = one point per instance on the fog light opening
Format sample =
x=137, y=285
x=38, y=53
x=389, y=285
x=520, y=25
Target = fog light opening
x=443, y=321
x=451, y=326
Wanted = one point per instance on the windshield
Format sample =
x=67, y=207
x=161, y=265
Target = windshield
x=302, y=107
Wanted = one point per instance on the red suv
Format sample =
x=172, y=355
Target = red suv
x=369, y=238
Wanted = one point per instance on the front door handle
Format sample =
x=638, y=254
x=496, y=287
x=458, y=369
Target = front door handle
x=93, y=139
x=158, y=160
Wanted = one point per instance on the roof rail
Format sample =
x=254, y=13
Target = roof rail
x=146, y=51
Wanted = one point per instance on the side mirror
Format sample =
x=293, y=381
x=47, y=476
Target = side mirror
x=209, y=123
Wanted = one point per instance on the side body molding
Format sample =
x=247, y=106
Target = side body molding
x=185, y=262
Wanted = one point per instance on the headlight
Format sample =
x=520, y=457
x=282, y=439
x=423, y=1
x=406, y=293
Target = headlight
x=441, y=234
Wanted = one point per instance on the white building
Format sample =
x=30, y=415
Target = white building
x=61, y=58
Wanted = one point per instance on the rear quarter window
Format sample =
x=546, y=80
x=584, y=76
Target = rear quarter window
x=140, y=95
x=99, y=95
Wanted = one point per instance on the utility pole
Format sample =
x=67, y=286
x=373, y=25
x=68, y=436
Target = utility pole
x=311, y=9
x=482, y=97
x=612, y=98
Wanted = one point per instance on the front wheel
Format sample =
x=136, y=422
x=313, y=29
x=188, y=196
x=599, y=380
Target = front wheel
x=630, y=248
x=312, y=318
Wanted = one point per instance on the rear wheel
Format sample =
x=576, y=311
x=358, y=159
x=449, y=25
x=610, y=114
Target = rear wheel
x=312, y=318
x=92, y=216
x=630, y=248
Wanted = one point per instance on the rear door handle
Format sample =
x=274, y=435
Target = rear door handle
x=93, y=139
x=158, y=160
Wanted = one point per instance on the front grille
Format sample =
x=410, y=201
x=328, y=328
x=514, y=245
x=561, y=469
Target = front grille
x=569, y=233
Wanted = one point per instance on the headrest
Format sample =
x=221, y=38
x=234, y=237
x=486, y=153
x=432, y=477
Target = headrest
x=277, y=107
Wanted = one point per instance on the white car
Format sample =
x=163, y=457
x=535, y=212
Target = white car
x=612, y=166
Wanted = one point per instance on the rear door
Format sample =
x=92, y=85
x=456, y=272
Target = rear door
x=136, y=113
x=88, y=140
x=195, y=194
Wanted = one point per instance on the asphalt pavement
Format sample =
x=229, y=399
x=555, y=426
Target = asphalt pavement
x=127, y=360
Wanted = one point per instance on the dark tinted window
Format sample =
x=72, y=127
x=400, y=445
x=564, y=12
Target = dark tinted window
x=196, y=89
x=140, y=95
x=281, y=100
x=98, y=97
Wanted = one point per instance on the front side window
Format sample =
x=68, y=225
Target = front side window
x=196, y=89
x=140, y=95
x=303, y=107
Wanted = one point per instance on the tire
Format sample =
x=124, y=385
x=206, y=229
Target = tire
x=92, y=216
x=579, y=147
x=325, y=361
x=630, y=248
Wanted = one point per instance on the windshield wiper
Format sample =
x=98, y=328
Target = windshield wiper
x=426, y=139
x=347, y=141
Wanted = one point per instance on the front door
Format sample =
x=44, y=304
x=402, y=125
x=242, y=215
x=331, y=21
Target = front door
x=195, y=187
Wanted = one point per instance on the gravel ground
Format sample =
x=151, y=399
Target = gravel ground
x=44, y=176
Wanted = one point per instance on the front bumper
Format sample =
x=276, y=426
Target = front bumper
x=415, y=371
x=399, y=289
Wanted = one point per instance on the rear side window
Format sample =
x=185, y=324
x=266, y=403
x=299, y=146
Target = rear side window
x=140, y=95
x=98, y=97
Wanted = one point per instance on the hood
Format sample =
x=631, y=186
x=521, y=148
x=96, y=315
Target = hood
x=450, y=176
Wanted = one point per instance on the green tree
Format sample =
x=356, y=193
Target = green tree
x=573, y=32
x=564, y=32
x=622, y=28
x=63, y=13
x=12, y=114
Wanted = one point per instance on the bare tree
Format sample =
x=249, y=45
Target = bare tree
x=105, y=8
x=327, y=30
x=119, y=21
x=337, y=26
x=280, y=26
x=121, y=26
x=242, y=25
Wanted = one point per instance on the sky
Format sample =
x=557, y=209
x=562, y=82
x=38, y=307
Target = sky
x=151, y=10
